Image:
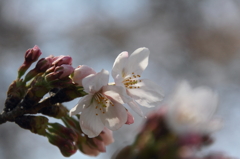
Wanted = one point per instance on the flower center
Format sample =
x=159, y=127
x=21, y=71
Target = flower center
x=187, y=117
x=132, y=81
x=102, y=102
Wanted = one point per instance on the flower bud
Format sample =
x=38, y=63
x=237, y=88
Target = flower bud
x=62, y=59
x=190, y=139
x=44, y=63
x=130, y=118
x=107, y=136
x=99, y=145
x=41, y=66
x=31, y=56
x=81, y=72
x=67, y=147
x=36, y=124
x=62, y=131
x=59, y=72
x=89, y=151
x=71, y=122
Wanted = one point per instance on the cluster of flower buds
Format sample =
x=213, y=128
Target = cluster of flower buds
x=49, y=72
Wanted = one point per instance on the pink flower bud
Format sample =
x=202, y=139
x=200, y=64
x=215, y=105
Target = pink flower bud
x=59, y=72
x=99, y=145
x=81, y=72
x=66, y=147
x=64, y=70
x=107, y=136
x=89, y=151
x=32, y=55
x=44, y=64
x=60, y=60
x=130, y=118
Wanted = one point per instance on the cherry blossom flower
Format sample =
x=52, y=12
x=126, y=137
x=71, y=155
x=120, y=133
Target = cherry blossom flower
x=102, y=107
x=127, y=71
x=191, y=110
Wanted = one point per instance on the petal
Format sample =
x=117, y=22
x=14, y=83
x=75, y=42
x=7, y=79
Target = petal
x=138, y=61
x=119, y=65
x=116, y=93
x=83, y=103
x=91, y=123
x=93, y=83
x=115, y=116
x=214, y=125
x=135, y=107
x=205, y=101
x=148, y=95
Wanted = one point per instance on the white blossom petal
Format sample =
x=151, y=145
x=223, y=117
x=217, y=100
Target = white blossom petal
x=137, y=61
x=115, y=116
x=91, y=124
x=135, y=107
x=120, y=64
x=94, y=83
x=204, y=97
x=148, y=94
x=116, y=93
x=83, y=103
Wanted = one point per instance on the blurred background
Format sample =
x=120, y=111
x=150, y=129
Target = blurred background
x=192, y=40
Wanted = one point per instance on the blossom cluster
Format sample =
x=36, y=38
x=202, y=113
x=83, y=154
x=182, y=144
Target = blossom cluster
x=181, y=126
x=103, y=106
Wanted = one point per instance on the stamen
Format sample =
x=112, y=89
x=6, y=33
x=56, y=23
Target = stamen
x=132, y=81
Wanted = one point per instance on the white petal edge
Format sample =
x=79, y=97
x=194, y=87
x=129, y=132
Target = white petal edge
x=148, y=95
x=119, y=64
x=138, y=61
x=90, y=123
x=83, y=103
x=135, y=107
x=115, y=116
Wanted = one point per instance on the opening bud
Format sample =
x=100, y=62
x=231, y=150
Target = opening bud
x=81, y=72
x=59, y=72
x=62, y=59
